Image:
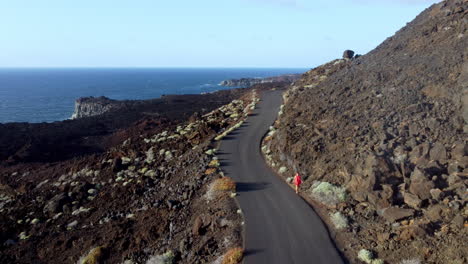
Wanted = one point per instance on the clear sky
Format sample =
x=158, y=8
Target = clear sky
x=194, y=33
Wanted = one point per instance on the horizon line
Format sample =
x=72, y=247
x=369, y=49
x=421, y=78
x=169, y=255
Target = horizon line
x=153, y=67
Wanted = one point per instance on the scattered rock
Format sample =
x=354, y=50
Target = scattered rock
x=55, y=204
x=412, y=200
x=458, y=221
x=72, y=224
x=438, y=152
x=436, y=194
x=393, y=214
x=421, y=184
x=412, y=232
x=197, y=226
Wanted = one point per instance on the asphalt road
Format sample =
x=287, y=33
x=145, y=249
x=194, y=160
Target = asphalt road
x=280, y=227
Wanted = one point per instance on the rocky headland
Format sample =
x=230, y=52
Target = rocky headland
x=92, y=106
x=248, y=82
x=381, y=142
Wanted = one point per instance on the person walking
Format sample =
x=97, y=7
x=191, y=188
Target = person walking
x=297, y=181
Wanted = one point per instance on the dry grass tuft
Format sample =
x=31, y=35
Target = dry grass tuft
x=224, y=184
x=94, y=256
x=220, y=188
x=233, y=256
x=210, y=171
x=214, y=163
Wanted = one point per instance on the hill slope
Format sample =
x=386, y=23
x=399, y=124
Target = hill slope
x=390, y=129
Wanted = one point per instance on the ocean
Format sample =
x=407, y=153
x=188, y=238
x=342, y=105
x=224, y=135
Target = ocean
x=48, y=95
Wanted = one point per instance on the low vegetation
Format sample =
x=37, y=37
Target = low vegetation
x=367, y=257
x=166, y=258
x=339, y=220
x=224, y=184
x=220, y=186
x=327, y=193
x=233, y=256
x=93, y=257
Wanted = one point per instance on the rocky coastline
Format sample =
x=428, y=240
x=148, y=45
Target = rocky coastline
x=92, y=106
x=149, y=188
x=248, y=82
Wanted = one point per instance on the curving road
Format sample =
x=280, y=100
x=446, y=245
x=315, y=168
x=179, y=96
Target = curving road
x=279, y=226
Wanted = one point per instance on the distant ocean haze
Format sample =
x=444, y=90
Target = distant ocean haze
x=47, y=95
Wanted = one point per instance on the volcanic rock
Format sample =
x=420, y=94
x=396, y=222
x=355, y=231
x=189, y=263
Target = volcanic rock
x=420, y=184
x=55, y=204
x=392, y=214
x=348, y=54
x=412, y=200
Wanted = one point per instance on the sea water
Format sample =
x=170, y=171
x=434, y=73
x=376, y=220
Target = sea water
x=47, y=95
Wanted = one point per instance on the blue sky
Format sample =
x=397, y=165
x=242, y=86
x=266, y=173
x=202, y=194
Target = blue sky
x=188, y=33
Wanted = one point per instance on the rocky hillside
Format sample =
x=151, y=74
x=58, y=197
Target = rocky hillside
x=50, y=142
x=381, y=141
x=157, y=196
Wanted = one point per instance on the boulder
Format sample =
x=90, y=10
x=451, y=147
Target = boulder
x=435, y=213
x=412, y=232
x=117, y=165
x=421, y=184
x=200, y=224
x=436, y=194
x=348, y=54
x=453, y=179
x=438, y=152
x=392, y=214
x=421, y=151
x=460, y=150
x=412, y=200
x=355, y=187
x=197, y=226
x=458, y=221
x=55, y=204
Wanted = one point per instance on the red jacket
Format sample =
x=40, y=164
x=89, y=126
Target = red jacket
x=297, y=179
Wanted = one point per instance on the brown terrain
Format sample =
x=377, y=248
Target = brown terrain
x=124, y=187
x=381, y=141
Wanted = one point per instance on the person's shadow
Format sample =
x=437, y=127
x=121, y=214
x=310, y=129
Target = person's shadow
x=251, y=186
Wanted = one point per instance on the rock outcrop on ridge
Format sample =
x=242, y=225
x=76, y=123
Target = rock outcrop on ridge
x=381, y=141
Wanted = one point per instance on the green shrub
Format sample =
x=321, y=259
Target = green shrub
x=166, y=258
x=365, y=255
x=339, y=220
x=328, y=193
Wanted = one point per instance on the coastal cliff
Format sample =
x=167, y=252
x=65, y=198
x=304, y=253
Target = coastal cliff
x=247, y=82
x=92, y=106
